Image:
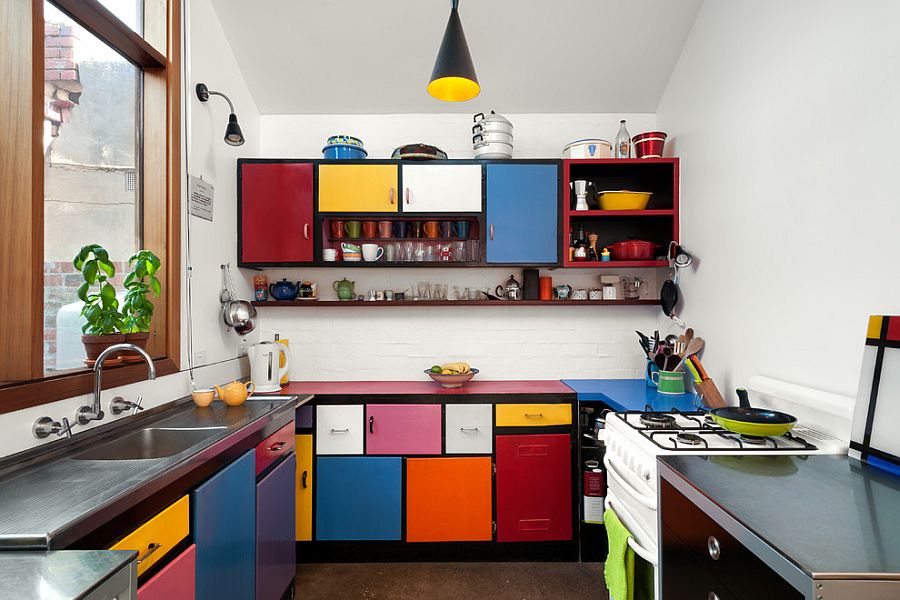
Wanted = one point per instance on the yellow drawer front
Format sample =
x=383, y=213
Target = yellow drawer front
x=358, y=188
x=533, y=415
x=159, y=535
x=304, y=452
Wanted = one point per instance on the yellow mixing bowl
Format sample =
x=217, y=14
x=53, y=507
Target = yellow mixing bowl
x=623, y=200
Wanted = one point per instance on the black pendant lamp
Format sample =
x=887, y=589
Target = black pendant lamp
x=453, y=78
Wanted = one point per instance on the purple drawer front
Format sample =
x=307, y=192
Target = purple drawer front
x=304, y=417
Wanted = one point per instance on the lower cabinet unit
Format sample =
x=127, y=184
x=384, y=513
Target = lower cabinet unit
x=304, y=483
x=448, y=499
x=224, y=527
x=276, y=561
x=175, y=581
x=534, y=487
x=358, y=498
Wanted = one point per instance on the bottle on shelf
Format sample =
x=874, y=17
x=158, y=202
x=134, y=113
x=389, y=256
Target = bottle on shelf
x=623, y=141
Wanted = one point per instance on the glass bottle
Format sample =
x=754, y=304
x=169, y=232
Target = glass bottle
x=623, y=141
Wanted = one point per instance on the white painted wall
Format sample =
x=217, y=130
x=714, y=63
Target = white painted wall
x=505, y=343
x=785, y=116
x=208, y=59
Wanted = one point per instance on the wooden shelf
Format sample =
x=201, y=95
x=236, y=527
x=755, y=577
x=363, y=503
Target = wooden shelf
x=621, y=213
x=425, y=303
x=616, y=264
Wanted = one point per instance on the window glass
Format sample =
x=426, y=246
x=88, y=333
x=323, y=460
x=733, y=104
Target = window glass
x=129, y=12
x=91, y=171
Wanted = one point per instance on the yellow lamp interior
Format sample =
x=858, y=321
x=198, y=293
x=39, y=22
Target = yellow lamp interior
x=454, y=89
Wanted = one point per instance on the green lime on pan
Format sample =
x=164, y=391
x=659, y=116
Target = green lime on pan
x=436, y=369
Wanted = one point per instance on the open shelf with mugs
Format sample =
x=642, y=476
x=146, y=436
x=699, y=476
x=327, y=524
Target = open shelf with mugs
x=619, y=213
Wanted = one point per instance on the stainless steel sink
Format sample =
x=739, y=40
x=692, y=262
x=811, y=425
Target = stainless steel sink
x=152, y=442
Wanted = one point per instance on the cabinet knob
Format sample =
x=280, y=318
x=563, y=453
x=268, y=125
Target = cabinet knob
x=371, y=424
x=406, y=195
x=306, y=231
x=303, y=479
x=715, y=550
x=492, y=231
x=392, y=195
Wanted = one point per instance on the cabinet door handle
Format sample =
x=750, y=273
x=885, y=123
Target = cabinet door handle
x=306, y=231
x=277, y=446
x=371, y=424
x=151, y=548
x=406, y=195
x=303, y=479
x=391, y=195
x=712, y=545
x=534, y=416
x=468, y=429
x=346, y=430
x=492, y=231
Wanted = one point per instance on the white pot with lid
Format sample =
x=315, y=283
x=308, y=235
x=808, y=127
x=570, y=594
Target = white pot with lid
x=493, y=136
x=493, y=150
x=492, y=123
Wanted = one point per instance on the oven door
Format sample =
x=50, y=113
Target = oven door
x=636, y=496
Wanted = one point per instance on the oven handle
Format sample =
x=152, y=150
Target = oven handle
x=645, y=499
x=638, y=549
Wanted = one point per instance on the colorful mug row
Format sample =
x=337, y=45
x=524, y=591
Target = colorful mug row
x=399, y=229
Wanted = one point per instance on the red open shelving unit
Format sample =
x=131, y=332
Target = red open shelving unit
x=658, y=223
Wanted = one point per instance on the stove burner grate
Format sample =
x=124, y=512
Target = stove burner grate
x=758, y=440
x=690, y=439
x=655, y=420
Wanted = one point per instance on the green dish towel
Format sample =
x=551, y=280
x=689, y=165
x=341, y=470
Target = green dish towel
x=619, y=568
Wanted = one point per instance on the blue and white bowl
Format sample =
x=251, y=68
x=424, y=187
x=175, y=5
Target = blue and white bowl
x=344, y=152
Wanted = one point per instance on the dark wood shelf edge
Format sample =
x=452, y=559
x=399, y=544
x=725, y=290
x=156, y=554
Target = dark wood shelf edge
x=401, y=303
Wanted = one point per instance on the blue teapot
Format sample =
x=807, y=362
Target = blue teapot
x=284, y=290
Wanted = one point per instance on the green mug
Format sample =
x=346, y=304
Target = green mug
x=352, y=228
x=668, y=382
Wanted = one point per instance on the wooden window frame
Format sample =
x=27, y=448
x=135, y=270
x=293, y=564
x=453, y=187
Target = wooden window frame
x=22, y=175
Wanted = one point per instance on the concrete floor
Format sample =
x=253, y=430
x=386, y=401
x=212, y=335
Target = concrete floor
x=451, y=581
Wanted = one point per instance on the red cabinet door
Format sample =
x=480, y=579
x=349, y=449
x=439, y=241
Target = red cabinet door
x=403, y=429
x=276, y=209
x=534, y=488
x=175, y=580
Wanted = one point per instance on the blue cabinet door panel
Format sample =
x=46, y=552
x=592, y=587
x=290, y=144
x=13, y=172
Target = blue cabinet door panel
x=276, y=563
x=224, y=527
x=523, y=210
x=358, y=498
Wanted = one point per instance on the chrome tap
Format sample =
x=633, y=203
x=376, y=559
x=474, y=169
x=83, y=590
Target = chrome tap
x=120, y=405
x=86, y=414
x=45, y=427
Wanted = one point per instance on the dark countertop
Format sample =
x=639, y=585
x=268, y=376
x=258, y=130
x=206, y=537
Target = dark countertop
x=630, y=394
x=58, y=575
x=424, y=387
x=827, y=514
x=53, y=502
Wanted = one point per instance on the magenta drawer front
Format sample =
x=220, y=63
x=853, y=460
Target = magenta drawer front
x=174, y=581
x=274, y=447
x=403, y=429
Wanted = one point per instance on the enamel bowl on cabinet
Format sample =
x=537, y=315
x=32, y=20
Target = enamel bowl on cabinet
x=452, y=381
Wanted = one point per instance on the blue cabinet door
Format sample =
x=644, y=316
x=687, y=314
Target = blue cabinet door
x=224, y=527
x=358, y=498
x=523, y=213
x=276, y=562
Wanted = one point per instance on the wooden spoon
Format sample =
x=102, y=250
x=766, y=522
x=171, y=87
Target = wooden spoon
x=694, y=347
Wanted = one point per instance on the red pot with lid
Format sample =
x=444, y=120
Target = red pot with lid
x=633, y=250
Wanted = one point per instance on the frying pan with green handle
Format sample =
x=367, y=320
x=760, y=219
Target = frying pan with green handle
x=752, y=421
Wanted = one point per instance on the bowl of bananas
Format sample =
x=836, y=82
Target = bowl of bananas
x=452, y=375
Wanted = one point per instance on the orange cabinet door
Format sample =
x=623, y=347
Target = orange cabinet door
x=448, y=499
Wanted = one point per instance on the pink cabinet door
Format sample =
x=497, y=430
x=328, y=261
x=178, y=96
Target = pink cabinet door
x=176, y=580
x=403, y=429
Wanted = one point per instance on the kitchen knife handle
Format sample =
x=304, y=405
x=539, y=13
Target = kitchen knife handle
x=492, y=231
x=303, y=479
x=371, y=424
x=306, y=231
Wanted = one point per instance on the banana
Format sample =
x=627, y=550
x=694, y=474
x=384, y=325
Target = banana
x=460, y=367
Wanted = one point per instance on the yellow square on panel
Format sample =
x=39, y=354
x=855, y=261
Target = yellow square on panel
x=874, y=331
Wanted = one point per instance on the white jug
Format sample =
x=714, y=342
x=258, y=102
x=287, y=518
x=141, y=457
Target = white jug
x=264, y=365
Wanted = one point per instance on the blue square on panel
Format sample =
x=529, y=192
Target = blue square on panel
x=358, y=498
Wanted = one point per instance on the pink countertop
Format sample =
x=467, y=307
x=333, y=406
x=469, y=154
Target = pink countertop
x=424, y=387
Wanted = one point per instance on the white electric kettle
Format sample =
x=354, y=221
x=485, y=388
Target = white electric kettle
x=265, y=371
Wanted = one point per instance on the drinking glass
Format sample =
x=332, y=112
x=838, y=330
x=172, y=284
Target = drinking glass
x=459, y=293
x=419, y=251
x=430, y=254
x=440, y=291
x=475, y=294
x=408, y=252
x=459, y=252
x=472, y=253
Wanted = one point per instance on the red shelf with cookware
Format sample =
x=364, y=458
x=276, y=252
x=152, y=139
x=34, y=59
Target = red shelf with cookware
x=657, y=223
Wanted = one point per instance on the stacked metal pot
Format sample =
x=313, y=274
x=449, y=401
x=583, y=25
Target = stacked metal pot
x=492, y=136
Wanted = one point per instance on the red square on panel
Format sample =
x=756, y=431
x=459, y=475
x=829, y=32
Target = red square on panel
x=893, y=330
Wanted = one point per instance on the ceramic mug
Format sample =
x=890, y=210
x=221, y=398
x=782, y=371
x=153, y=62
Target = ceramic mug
x=329, y=254
x=580, y=295
x=446, y=229
x=352, y=228
x=337, y=230
x=668, y=382
x=415, y=229
x=372, y=252
x=595, y=294
x=400, y=228
x=648, y=374
x=385, y=228
x=461, y=228
x=204, y=397
x=369, y=229
x=563, y=291
x=432, y=229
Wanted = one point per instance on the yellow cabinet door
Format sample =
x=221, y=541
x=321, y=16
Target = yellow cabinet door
x=304, y=451
x=155, y=538
x=358, y=188
x=533, y=415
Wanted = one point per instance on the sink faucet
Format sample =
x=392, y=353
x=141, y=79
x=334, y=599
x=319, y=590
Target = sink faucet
x=86, y=414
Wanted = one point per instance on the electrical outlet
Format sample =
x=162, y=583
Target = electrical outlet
x=199, y=358
x=242, y=347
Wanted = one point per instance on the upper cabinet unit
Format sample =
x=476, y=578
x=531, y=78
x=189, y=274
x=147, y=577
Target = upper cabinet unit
x=523, y=206
x=441, y=188
x=275, y=209
x=358, y=188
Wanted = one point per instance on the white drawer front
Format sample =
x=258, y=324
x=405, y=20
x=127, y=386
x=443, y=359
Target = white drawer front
x=339, y=429
x=469, y=429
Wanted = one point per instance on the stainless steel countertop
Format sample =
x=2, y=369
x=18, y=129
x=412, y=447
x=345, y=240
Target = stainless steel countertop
x=50, y=504
x=58, y=575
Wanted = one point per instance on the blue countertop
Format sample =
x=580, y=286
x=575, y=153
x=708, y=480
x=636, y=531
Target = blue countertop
x=630, y=394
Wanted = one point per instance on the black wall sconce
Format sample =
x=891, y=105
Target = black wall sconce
x=233, y=135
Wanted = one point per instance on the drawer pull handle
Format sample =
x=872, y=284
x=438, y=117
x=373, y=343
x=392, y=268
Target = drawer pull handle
x=392, y=195
x=712, y=596
x=534, y=416
x=277, y=446
x=151, y=548
x=468, y=429
x=492, y=231
x=347, y=430
x=306, y=231
x=715, y=550
x=371, y=424
x=407, y=196
x=303, y=479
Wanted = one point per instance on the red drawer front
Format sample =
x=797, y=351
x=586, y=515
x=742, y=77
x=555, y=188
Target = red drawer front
x=175, y=581
x=274, y=447
x=276, y=212
x=534, y=488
